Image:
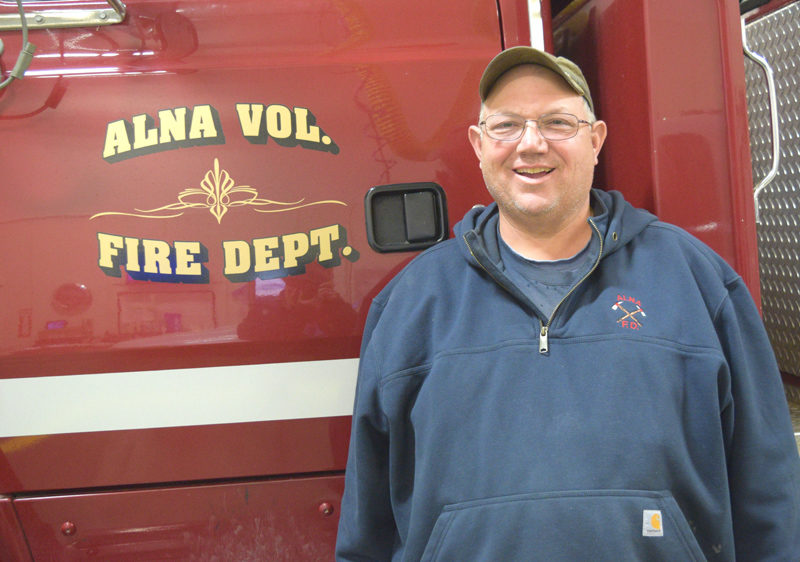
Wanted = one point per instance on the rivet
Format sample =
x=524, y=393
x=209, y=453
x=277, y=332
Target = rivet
x=326, y=509
x=68, y=528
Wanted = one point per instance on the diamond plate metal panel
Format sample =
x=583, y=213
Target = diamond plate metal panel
x=777, y=38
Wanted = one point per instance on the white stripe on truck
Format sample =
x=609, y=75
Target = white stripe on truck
x=175, y=398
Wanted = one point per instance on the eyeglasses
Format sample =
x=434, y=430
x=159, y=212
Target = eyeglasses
x=552, y=126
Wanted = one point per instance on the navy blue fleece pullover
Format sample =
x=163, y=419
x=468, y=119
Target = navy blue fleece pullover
x=644, y=420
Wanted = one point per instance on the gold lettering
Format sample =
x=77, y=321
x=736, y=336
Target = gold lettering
x=262, y=254
x=294, y=246
x=156, y=257
x=117, y=140
x=237, y=257
x=322, y=238
x=279, y=121
x=203, y=125
x=132, y=255
x=305, y=132
x=185, y=253
x=172, y=124
x=144, y=134
x=250, y=118
x=109, y=247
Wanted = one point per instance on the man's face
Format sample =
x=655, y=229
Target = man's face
x=538, y=183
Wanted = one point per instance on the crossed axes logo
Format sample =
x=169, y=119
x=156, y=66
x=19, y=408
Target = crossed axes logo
x=631, y=319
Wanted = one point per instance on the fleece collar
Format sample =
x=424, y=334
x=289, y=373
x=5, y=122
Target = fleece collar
x=617, y=220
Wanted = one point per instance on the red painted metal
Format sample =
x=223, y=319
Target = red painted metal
x=515, y=22
x=12, y=539
x=357, y=70
x=392, y=91
x=546, y=11
x=212, y=452
x=251, y=520
x=667, y=77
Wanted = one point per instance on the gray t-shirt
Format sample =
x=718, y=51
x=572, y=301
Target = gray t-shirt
x=546, y=283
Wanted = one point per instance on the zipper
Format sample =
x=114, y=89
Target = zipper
x=544, y=347
x=544, y=329
x=489, y=273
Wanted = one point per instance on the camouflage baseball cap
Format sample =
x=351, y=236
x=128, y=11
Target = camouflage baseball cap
x=515, y=56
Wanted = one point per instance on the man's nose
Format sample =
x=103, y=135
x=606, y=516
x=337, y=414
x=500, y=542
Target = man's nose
x=531, y=138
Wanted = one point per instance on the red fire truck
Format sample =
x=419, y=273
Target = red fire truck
x=201, y=199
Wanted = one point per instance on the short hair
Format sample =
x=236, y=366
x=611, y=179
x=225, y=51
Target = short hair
x=591, y=117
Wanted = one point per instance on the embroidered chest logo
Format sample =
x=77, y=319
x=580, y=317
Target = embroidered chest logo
x=629, y=309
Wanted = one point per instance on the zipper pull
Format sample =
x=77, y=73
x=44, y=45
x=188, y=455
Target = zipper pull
x=544, y=347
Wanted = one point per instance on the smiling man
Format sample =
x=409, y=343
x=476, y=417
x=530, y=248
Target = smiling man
x=537, y=154
x=532, y=389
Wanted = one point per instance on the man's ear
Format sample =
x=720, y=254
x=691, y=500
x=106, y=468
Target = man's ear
x=599, y=131
x=475, y=139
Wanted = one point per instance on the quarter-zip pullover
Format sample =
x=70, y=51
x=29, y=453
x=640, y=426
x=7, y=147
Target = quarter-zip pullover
x=644, y=419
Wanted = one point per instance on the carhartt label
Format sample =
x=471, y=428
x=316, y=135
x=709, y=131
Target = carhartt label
x=651, y=523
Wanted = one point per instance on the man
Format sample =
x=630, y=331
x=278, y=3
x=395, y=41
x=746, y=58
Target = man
x=568, y=378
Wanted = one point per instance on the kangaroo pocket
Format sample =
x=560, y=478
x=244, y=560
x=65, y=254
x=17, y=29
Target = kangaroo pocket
x=582, y=525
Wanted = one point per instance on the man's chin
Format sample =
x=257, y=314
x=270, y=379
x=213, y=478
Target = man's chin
x=533, y=206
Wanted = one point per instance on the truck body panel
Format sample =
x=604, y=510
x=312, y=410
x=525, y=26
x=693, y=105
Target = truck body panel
x=187, y=243
x=669, y=81
x=186, y=270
